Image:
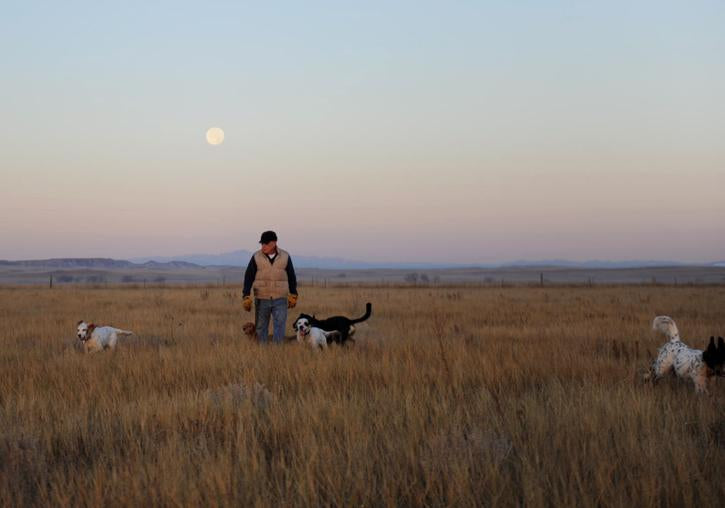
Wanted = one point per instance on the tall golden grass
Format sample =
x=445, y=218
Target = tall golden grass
x=451, y=396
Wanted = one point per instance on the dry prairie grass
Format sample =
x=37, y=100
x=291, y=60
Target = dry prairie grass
x=489, y=396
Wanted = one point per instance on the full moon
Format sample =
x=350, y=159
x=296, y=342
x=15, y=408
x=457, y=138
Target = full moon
x=215, y=136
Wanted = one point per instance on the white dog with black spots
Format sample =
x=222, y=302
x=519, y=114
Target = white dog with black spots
x=686, y=363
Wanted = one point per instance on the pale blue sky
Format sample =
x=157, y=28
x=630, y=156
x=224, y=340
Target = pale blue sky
x=417, y=131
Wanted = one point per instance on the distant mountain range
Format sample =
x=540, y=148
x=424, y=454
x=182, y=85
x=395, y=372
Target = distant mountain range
x=93, y=263
x=240, y=258
x=635, y=263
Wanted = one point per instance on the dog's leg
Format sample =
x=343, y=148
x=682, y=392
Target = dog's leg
x=702, y=381
x=663, y=365
x=91, y=346
x=701, y=384
x=332, y=336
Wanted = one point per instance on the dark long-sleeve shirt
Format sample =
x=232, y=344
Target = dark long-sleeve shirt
x=251, y=273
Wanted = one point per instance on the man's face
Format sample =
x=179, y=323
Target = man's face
x=269, y=247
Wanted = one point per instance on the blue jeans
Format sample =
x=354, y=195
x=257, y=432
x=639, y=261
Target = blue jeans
x=263, y=309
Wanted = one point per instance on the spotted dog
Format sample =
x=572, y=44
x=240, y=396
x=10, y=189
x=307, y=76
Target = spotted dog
x=675, y=356
x=96, y=338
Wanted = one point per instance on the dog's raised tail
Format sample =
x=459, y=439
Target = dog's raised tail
x=368, y=313
x=667, y=327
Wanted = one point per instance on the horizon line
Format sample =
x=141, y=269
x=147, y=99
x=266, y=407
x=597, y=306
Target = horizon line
x=551, y=262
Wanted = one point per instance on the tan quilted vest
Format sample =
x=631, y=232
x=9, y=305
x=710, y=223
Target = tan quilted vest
x=271, y=280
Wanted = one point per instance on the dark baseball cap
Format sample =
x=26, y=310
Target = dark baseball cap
x=268, y=236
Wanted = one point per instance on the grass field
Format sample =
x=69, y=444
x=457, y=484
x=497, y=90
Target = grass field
x=451, y=396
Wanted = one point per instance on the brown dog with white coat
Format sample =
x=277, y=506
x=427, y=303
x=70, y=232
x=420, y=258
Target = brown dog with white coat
x=97, y=338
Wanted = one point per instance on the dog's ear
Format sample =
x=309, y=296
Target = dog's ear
x=79, y=322
x=294, y=326
x=711, y=345
x=709, y=356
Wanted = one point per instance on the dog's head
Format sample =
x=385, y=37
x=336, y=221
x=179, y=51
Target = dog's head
x=84, y=330
x=302, y=325
x=250, y=330
x=666, y=326
x=312, y=319
x=714, y=356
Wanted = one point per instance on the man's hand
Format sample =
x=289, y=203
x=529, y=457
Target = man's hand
x=247, y=303
x=291, y=301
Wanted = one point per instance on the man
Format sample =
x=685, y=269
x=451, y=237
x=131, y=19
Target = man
x=271, y=274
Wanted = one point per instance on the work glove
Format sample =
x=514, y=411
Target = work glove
x=247, y=303
x=291, y=301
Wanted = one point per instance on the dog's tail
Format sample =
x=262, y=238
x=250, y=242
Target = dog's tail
x=666, y=326
x=368, y=312
x=123, y=332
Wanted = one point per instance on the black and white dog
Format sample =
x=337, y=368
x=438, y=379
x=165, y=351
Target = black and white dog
x=312, y=335
x=676, y=357
x=342, y=324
